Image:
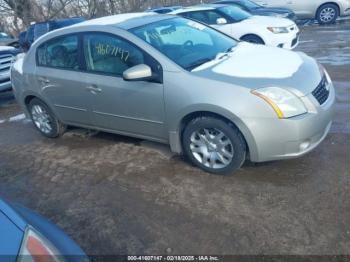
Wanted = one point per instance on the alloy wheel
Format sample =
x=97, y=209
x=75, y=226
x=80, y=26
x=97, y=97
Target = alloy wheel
x=327, y=14
x=41, y=119
x=212, y=148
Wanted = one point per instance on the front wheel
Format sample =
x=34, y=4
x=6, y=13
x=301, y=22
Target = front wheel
x=253, y=39
x=214, y=145
x=44, y=119
x=327, y=14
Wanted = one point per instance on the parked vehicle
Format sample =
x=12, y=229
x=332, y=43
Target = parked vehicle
x=27, y=236
x=164, y=9
x=7, y=56
x=324, y=11
x=176, y=81
x=234, y=21
x=7, y=40
x=37, y=30
x=22, y=40
x=255, y=9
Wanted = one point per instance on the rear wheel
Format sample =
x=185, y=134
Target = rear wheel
x=253, y=39
x=214, y=145
x=44, y=119
x=327, y=14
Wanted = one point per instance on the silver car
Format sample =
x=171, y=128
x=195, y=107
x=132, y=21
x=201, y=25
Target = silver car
x=325, y=11
x=176, y=81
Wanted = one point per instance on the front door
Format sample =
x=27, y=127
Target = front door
x=135, y=107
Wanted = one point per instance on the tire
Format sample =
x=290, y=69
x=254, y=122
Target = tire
x=44, y=119
x=253, y=39
x=213, y=145
x=327, y=14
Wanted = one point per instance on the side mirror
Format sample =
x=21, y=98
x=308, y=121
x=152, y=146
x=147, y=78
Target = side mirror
x=221, y=21
x=140, y=72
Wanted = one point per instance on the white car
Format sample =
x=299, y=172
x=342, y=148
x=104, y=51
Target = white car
x=233, y=21
x=325, y=11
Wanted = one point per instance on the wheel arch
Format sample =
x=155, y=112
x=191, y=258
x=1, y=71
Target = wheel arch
x=29, y=96
x=176, y=136
x=255, y=35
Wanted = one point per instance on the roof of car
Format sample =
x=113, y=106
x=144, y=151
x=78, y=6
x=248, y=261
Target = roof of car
x=202, y=7
x=126, y=21
x=192, y=9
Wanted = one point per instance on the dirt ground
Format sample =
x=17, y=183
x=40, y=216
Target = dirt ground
x=118, y=195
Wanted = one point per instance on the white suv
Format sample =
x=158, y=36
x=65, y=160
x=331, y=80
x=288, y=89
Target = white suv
x=325, y=11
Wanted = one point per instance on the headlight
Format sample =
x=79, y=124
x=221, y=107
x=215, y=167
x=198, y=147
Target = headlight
x=283, y=102
x=278, y=30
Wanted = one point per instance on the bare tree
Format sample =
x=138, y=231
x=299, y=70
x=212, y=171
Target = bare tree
x=17, y=15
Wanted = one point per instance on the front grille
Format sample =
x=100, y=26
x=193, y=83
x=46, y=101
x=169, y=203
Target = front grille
x=5, y=63
x=4, y=81
x=321, y=93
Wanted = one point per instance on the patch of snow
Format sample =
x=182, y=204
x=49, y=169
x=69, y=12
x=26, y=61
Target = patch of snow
x=256, y=61
x=17, y=118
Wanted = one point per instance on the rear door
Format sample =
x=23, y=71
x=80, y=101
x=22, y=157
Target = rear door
x=60, y=80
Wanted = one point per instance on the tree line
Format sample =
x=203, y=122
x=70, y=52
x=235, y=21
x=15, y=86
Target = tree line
x=17, y=15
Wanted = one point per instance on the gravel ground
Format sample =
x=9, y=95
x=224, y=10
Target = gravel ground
x=118, y=195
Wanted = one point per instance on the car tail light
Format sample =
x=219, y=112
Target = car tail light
x=36, y=248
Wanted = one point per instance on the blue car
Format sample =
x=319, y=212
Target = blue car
x=27, y=236
x=37, y=30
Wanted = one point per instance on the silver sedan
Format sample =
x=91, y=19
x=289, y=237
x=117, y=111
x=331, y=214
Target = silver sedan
x=176, y=81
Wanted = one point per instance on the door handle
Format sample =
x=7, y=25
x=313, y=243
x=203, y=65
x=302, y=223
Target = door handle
x=44, y=80
x=94, y=89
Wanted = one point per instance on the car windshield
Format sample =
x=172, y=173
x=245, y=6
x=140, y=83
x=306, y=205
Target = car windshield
x=235, y=12
x=249, y=4
x=187, y=43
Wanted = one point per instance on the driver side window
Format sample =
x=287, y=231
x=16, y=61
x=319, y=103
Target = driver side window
x=109, y=54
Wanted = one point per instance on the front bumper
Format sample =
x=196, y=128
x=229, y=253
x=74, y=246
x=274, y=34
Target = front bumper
x=287, y=41
x=277, y=139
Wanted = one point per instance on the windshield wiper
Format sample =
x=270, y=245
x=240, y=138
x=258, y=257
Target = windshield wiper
x=198, y=63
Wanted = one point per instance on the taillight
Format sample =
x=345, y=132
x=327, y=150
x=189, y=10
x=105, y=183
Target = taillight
x=35, y=248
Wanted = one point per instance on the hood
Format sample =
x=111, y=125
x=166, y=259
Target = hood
x=268, y=21
x=256, y=66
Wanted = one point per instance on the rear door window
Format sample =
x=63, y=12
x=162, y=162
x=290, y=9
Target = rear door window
x=60, y=52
